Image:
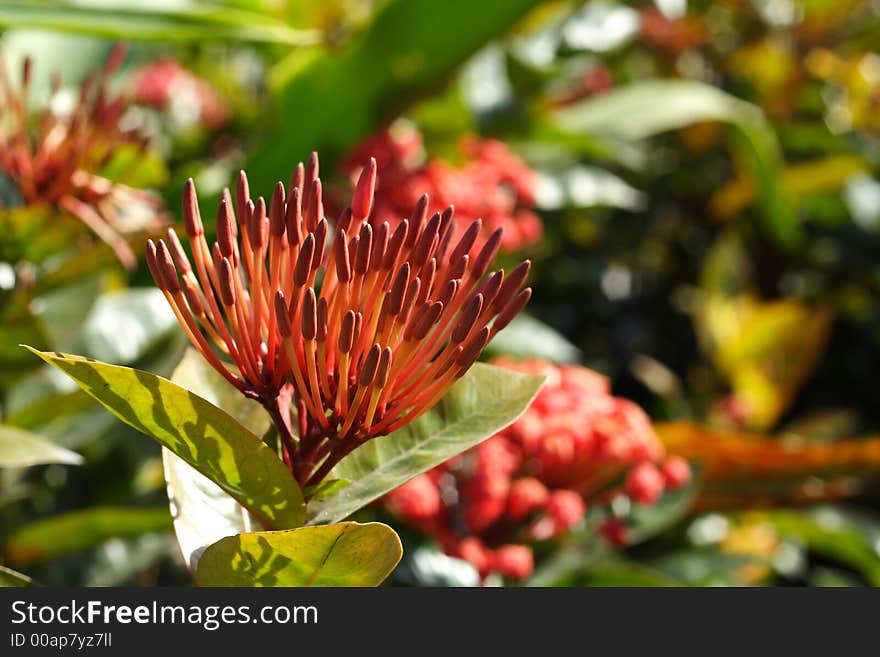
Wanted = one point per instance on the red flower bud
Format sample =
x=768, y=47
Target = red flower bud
x=676, y=472
x=514, y=561
x=644, y=484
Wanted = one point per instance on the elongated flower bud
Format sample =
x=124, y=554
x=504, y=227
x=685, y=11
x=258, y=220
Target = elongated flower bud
x=362, y=202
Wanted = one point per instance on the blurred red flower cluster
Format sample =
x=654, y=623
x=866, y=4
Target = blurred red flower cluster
x=532, y=481
x=168, y=86
x=493, y=185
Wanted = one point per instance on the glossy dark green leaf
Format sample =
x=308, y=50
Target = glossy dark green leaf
x=480, y=404
x=345, y=554
x=206, y=437
x=51, y=537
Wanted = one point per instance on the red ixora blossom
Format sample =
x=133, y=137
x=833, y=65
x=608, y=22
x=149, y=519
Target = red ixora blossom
x=56, y=158
x=575, y=445
x=365, y=328
x=493, y=184
x=168, y=86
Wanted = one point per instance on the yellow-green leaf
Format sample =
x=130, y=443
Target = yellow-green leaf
x=203, y=512
x=345, y=554
x=206, y=437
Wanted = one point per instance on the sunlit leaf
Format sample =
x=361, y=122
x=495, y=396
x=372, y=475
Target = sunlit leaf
x=345, y=554
x=20, y=448
x=46, y=539
x=778, y=345
x=483, y=402
x=123, y=20
x=206, y=437
x=765, y=349
x=649, y=107
x=203, y=513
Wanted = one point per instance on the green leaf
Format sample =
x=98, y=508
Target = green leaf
x=835, y=535
x=482, y=403
x=123, y=20
x=203, y=513
x=325, y=488
x=17, y=324
x=206, y=437
x=46, y=539
x=12, y=579
x=618, y=574
x=20, y=448
x=702, y=566
x=526, y=336
x=409, y=49
x=345, y=554
x=649, y=107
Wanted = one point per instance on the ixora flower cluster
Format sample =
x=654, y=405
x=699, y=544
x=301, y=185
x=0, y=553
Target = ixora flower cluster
x=363, y=326
x=493, y=184
x=55, y=159
x=530, y=481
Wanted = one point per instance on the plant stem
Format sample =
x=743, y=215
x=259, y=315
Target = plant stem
x=278, y=411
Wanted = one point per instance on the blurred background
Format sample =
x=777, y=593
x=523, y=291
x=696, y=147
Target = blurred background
x=696, y=184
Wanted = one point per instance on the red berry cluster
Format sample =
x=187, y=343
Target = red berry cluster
x=493, y=185
x=533, y=480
